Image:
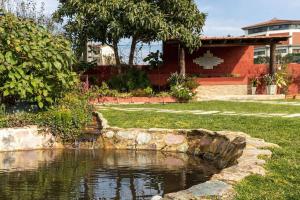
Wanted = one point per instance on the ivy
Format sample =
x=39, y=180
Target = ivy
x=35, y=66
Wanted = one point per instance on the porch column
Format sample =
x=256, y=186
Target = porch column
x=272, y=58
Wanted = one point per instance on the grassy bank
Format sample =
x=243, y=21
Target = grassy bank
x=283, y=178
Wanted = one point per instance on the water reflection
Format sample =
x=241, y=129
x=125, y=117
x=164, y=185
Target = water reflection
x=74, y=174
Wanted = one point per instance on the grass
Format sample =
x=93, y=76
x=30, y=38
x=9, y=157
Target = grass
x=283, y=178
x=224, y=106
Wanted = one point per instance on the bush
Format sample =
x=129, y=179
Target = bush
x=131, y=80
x=147, y=92
x=191, y=83
x=181, y=93
x=35, y=66
x=155, y=59
x=176, y=79
x=66, y=120
x=186, y=81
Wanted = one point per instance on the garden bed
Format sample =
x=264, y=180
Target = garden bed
x=132, y=100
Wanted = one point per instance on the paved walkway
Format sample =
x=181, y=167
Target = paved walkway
x=286, y=103
x=202, y=112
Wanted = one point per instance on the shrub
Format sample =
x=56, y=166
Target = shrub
x=182, y=87
x=154, y=59
x=147, y=92
x=181, y=93
x=186, y=81
x=176, y=79
x=131, y=80
x=66, y=120
x=35, y=66
x=191, y=83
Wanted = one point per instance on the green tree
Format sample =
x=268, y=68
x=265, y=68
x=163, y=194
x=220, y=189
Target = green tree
x=35, y=66
x=141, y=21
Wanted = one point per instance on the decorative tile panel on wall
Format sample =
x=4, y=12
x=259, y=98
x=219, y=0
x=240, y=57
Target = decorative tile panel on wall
x=208, y=61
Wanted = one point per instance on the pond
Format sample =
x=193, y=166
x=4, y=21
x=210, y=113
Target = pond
x=96, y=174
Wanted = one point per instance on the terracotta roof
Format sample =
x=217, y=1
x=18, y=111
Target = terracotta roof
x=243, y=37
x=242, y=40
x=274, y=21
x=239, y=40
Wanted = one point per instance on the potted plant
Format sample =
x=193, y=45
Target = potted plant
x=254, y=83
x=270, y=81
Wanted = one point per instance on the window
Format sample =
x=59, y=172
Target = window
x=295, y=26
x=259, y=53
x=279, y=51
x=296, y=50
x=279, y=27
x=257, y=30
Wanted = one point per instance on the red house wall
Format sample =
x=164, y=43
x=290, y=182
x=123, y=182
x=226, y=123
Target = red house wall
x=238, y=62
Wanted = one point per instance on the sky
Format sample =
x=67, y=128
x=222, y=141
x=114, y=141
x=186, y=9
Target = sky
x=226, y=17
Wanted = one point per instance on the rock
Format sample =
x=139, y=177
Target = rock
x=214, y=189
x=109, y=134
x=143, y=138
x=208, y=190
x=103, y=122
x=129, y=135
x=157, y=197
x=171, y=139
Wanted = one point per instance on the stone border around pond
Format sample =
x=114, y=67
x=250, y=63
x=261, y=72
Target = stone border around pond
x=236, y=153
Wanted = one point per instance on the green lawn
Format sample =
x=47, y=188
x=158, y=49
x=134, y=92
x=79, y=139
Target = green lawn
x=283, y=178
x=224, y=106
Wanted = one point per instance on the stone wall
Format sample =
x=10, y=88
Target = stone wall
x=236, y=153
x=220, y=148
x=26, y=138
x=221, y=90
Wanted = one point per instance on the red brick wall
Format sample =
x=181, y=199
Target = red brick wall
x=296, y=38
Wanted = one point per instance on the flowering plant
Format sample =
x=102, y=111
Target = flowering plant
x=181, y=93
x=255, y=81
x=269, y=79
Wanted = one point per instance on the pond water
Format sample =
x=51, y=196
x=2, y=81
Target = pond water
x=95, y=174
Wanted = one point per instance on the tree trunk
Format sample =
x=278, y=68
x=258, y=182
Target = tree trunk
x=182, y=61
x=117, y=56
x=132, y=51
x=85, y=51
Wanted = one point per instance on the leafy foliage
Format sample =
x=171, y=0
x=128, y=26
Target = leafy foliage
x=131, y=80
x=35, y=66
x=147, y=92
x=182, y=87
x=154, y=59
x=66, y=119
x=181, y=93
x=142, y=21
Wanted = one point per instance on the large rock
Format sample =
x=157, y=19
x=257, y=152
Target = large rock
x=171, y=139
x=143, y=138
x=207, y=190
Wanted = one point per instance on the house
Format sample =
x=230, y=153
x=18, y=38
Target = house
x=101, y=54
x=223, y=65
x=276, y=27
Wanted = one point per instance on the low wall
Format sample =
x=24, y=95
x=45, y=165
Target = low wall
x=26, y=138
x=221, y=90
x=236, y=154
x=132, y=100
x=223, y=151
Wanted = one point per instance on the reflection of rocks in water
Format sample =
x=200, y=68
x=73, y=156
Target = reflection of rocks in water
x=96, y=174
x=26, y=160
